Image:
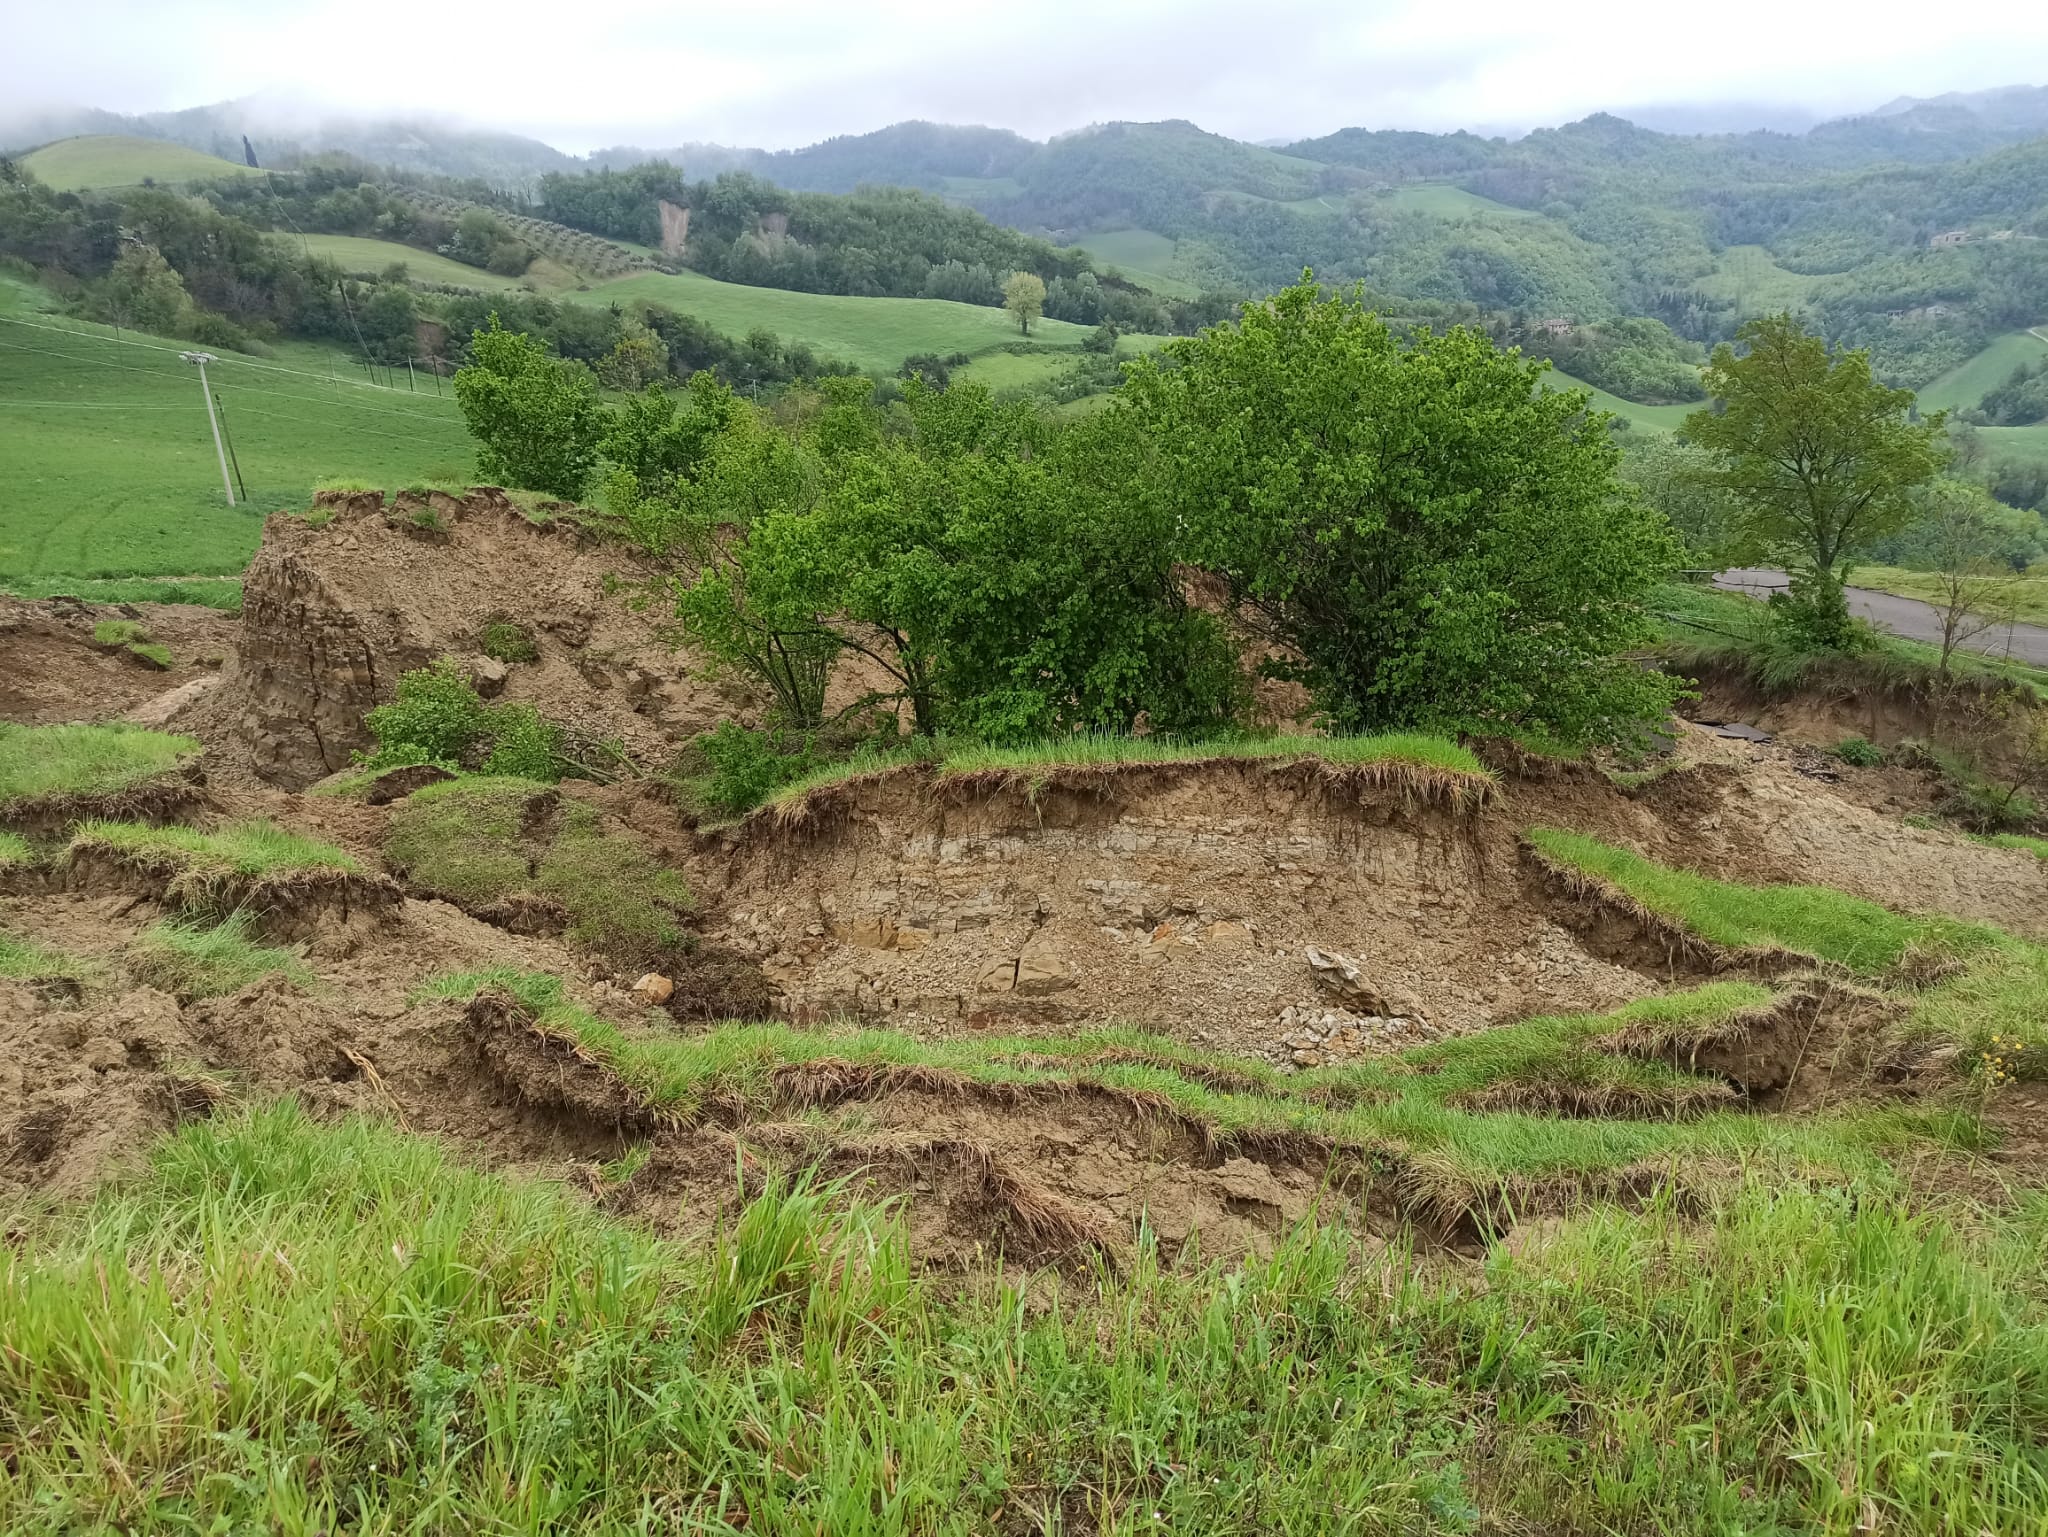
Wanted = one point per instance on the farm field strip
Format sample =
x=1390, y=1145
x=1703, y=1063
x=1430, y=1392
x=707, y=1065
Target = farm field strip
x=118, y=476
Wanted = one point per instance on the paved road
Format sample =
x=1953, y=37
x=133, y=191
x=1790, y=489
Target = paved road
x=1904, y=616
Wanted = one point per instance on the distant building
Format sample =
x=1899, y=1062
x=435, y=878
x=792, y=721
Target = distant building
x=1554, y=327
x=1949, y=238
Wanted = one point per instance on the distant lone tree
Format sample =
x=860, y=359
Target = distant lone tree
x=535, y=417
x=1428, y=537
x=1820, y=456
x=1024, y=297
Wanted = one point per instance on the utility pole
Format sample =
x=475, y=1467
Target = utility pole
x=202, y=359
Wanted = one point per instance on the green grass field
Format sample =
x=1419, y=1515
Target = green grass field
x=1653, y=418
x=1014, y=370
x=1141, y=255
x=2025, y=445
x=306, y=1326
x=868, y=333
x=120, y=160
x=369, y=257
x=1962, y=387
x=1448, y=202
x=1748, y=275
x=108, y=464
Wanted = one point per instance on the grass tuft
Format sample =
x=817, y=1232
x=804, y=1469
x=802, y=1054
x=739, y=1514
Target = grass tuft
x=1816, y=921
x=193, y=960
x=15, y=852
x=23, y=960
x=84, y=760
x=1431, y=766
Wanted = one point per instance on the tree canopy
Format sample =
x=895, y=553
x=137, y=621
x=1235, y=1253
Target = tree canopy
x=1819, y=456
x=1425, y=536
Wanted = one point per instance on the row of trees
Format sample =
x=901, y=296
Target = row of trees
x=1416, y=532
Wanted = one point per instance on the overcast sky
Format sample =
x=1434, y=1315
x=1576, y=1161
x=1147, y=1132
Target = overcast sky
x=789, y=72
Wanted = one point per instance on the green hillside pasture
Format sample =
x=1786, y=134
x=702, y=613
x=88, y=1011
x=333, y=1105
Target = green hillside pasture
x=1641, y=418
x=1447, y=202
x=1962, y=387
x=875, y=334
x=109, y=467
x=368, y=258
x=121, y=160
x=2022, y=445
x=1748, y=275
x=1141, y=255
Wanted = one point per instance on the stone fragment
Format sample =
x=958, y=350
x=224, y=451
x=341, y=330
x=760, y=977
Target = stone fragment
x=1043, y=968
x=654, y=988
x=1228, y=936
x=998, y=976
x=1308, y=1057
x=487, y=675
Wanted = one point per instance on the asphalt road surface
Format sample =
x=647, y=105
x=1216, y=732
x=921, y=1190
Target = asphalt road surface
x=1904, y=616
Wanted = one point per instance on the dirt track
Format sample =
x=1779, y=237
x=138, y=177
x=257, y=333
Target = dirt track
x=1903, y=616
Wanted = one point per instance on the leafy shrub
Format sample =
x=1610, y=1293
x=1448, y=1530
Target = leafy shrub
x=436, y=718
x=524, y=745
x=1859, y=752
x=745, y=766
x=503, y=641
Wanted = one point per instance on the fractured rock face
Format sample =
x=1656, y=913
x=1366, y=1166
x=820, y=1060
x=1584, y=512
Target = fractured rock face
x=310, y=666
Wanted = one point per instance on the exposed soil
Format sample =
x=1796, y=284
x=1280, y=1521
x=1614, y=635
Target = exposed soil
x=1184, y=898
x=52, y=672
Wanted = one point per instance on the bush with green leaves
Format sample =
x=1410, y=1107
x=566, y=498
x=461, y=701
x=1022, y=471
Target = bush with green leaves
x=744, y=767
x=1859, y=752
x=999, y=571
x=438, y=717
x=535, y=417
x=1442, y=543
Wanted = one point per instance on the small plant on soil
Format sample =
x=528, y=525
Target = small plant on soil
x=84, y=760
x=115, y=633
x=132, y=637
x=319, y=517
x=502, y=640
x=196, y=960
x=23, y=960
x=438, y=717
x=15, y=851
x=1859, y=752
x=427, y=521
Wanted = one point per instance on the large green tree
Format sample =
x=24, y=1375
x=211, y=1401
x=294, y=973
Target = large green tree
x=1820, y=456
x=535, y=417
x=1426, y=535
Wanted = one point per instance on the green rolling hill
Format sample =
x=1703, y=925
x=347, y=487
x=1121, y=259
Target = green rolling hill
x=122, y=160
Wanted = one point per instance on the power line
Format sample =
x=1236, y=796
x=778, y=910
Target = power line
x=266, y=368
x=269, y=391
x=409, y=437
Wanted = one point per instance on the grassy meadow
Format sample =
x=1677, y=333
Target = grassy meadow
x=868, y=333
x=122, y=160
x=1962, y=387
x=1141, y=255
x=108, y=465
x=367, y=258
